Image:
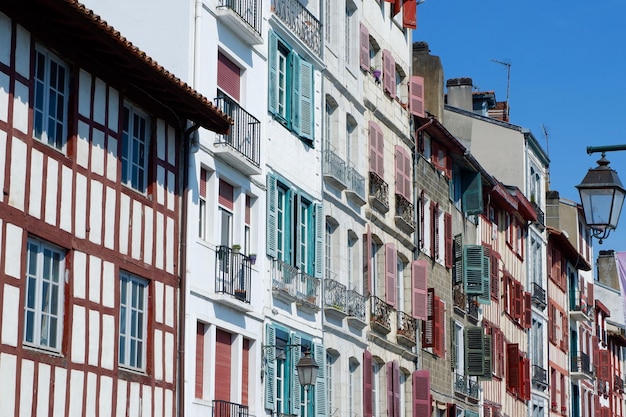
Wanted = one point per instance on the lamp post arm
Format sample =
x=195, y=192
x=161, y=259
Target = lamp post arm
x=607, y=148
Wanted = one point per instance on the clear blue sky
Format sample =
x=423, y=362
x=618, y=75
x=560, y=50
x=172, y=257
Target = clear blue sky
x=568, y=73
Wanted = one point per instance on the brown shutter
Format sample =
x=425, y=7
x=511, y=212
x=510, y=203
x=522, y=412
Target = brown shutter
x=428, y=325
x=245, y=371
x=447, y=227
x=226, y=195
x=228, y=76
x=248, y=209
x=223, y=354
x=199, y=360
x=439, y=315
x=513, y=362
x=203, y=181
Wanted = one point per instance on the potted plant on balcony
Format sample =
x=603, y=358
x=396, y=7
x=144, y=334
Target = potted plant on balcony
x=240, y=294
x=236, y=248
x=252, y=258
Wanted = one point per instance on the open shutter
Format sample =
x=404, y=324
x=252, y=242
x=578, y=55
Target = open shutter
x=270, y=367
x=453, y=345
x=428, y=325
x=457, y=277
x=391, y=268
x=272, y=95
x=390, y=381
x=367, y=384
x=422, y=220
x=439, y=315
x=447, y=230
x=472, y=193
x=399, y=166
x=389, y=74
x=296, y=400
x=528, y=312
x=473, y=269
x=474, y=351
x=590, y=296
x=525, y=382
x=306, y=100
x=604, y=365
x=367, y=261
x=416, y=95
x=488, y=357
x=407, y=174
x=512, y=375
x=376, y=147
x=485, y=296
x=396, y=389
x=421, y=393
x=451, y=410
x=319, y=240
x=320, y=383
x=419, y=278
x=296, y=80
x=397, y=7
x=493, y=272
x=272, y=223
x=596, y=353
x=409, y=14
x=364, y=48
x=518, y=300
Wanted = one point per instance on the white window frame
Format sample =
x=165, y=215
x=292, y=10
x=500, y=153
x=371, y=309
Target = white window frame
x=135, y=163
x=45, y=280
x=376, y=367
x=44, y=108
x=133, y=297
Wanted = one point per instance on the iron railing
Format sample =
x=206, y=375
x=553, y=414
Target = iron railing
x=460, y=384
x=335, y=295
x=459, y=299
x=618, y=383
x=577, y=304
x=381, y=312
x=245, y=132
x=356, y=182
x=301, y=22
x=473, y=388
x=582, y=363
x=379, y=190
x=539, y=295
x=248, y=10
x=334, y=167
x=540, y=214
x=223, y=408
x=407, y=326
x=284, y=277
x=233, y=273
x=473, y=310
x=356, y=305
x=540, y=376
x=308, y=288
x=404, y=211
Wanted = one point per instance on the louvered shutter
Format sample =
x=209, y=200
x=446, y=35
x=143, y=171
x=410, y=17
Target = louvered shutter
x=590, y=295
x=528, y=312
x=228, y=76
x=320, y=223
x=390, y=380
x=296, y=400
x=270, y=367
x=525, y=382
x=422, y=224
x=396, y=389
x=421, y=393
x=389, y=74
x=439, y=334
x=272, y=58
x=512, y=375
x=320, y=382
x=409, y=14
x=457, y=277
x=473, y=269
x=367, y=384
x=226, y=195
x=199, y=374
x=397, y=6
x=364, y=48
x=306, y=101
x=488, y=357
x=453, y=345
x=474, y=351
x=551, y=321
x=416, y=95
x=428, y=325
x=485, y=296
x=272, y=219
x=296, y=80
x=434, y=222
x=376, y=149
x=391, y=267
x=399, y=166
x=367, y=261
x=419, y=278
x=557, y=267
x=596, y=353
x=500, y=352
x=380, y=152
x=493, y=272
x=203, y=182
x=605, y=365
x=472, y=193
x=518, y=300
x=447, y=230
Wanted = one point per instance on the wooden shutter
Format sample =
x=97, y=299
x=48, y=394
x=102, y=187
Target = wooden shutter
x=272, y=94
x=367, y=384
x=605, y=362
x=248, y=210
x=396, y=389
x=397, y=6
x=419, y=278
x=447, y=227
x=495, y=278
x=203, y=182
x=453, y=345
x=528, y=312
x=485, y=296
x=272, y=219
x=302, y=107
x=367, y=261
x=473, y=269
x=389, y=74
x=226, y=195
x=399, y=166
x=474, y=351
x=517, y=313
x=199, y=392
x=223, y=355
x=296, y=354
x=422, y=224
x=391, y=268
x=500, y=359
x=376, y=148
x=364, y=48
x=320, y=382
x=513, y=372
x=487, y=357
x=457, y=277
x=439, y=334
x=320, y=223
x=557, y=267
x=416, y=95
x=390, y=381
x=295, y=80
x=428, y=325
x=434, y=220
x=596, y=353
x=407, y=174
x=551, y=322
x=472, y=193
x=525, y=381
x=451, y=410
x=245, y=371
x=409, y=14
x=421, y=393
x=565, y=332
x=228, y=76
x=590, y=296
x=270, y=367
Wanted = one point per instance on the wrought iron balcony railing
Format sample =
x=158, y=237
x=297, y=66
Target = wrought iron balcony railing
x=381, y=313
x=539, y=296
x=582, y=363
x=540, y=376
x=379, y=192
x=284, y=277
x=578, y=305
x=356, y=182
x=301, y=22
x=245, y=133
x=335, y=295
x=473, y=310
x=540, y=215
x=248, y=10
x=473, y=389
x=308, y=289
x=618, y=384
x=460, y=384
x=334, y=169
x=405, y=217
x=407, y=326
x=356, y=305
x=459, y=300
x=227, y=409
x=233, y=273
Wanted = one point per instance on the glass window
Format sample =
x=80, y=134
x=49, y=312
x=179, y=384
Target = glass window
x=43, y=306
x=133, y=310
x=135, y=149
x=376, y=387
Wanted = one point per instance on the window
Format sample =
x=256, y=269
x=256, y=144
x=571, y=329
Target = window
x=228, y=77
x=290, y=88
x=226, y=197
x=353, y=365
x=135, y=149
x=434, y=328
x=51, y=96
x=352, y=260
x=349, y=32
x=330, y=363
x=202, y=196
x=400, y=286
x=399, y=82
x=133, y=311
x=352, y=141
x=43, y=306
x=330, y=120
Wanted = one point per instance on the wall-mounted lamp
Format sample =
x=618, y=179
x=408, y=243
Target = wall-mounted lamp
x=306, y=366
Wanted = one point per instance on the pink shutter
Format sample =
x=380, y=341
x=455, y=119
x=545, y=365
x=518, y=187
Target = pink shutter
x=364, y=48
x=409, y=14
x=429, y=325
x=390, y=274
x=376, y=146
x=367, y=260
x=228, y=76
x=396, y=389
x=421, y=393
x=367, y=384
x=416, y=95
x=203, y=181
x=407, y=174
x=226, y=195
x=390, y=381
x=399, y=165
x=380, y=152
x=389, y=73
x=440, y=329
x=419, y=276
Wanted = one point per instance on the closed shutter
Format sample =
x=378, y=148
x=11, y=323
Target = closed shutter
x=451, y=410
x=223, y=355
x=320, y=222
x=199, y=360
x=364, y=48
x=457, y=277
x=447, y=227
x=525, y=381
x=272, y=94
x=513, y=373
x=439, y=335
x=428, y=325
x=228, y=76
x=409, y=14
x=399, y=166
x=367, y=261
x=453, y=345
x=518, y=301
x=421, y=393
x=204, y=175
x=473, y=269
x=226, y=195
x=495, y=278
x=305, y=102
x=551, y=327
x=474, y=351
x=596, y=354
x=605, y=365
x=367, y=384
x=416, y=95
x=270, y=367
x=296, y=400
x=391, y=268
x=472, y=193
x=376, y=147
x=390, y=381
x=389, y=74
x=422, y=224
x=245, y=371
x=488, y=357
x=419, y=278
x=485, y=296
x=500, y=352
x=272, y=220
x=320, y=383
x=528, y=312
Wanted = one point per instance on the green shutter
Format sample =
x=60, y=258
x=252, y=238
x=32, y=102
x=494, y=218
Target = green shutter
x=453, y=342
x=472, y=198
x=273, y=73
x=458, y=259
x=473, y=269
x=474, y=351
x=306, y=101
x=485, y=296
x=272, y=224
x=296, y=117
x=487, y=358
x=269, y=357
x=295, y=341
x=288, y=228
x=320, y=383
x=319, y=223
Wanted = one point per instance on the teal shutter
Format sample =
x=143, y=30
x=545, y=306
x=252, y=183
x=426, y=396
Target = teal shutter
x=319, y=239
x=288, y=228
x=453, y=344
x=472, y=197
x=270, y=366
x=473, y=269
x=272, y=221
x=295, y=93
x=320, y=383
x=291, y=366
x=457, y=276
x=487, y=358
x=474, y=351
x=306, y=101
x=273, y=73
x=485, y=296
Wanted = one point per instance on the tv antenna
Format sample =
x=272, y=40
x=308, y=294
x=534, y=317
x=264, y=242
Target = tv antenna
x=545, y=135
x=508, y=84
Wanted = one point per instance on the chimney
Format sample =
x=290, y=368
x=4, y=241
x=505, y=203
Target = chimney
x=607, y=269
x=460, y=93
x=429, y=66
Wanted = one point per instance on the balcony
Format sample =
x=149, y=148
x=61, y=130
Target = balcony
x=233, y=272
x=301, y=22
x=459, y=300
x=539, y=296
x=618, y=384
x=460, y=384
x=335, y=299
x=540, y=377
x=227, y=409
x=243, y=17
x=334, y=170
x=405, y=216
x=581, y=367
x=307, y=292
x=541, y=222
x=241, y=147
x=356, y=186
x=473, y=311
x=379, y=193
x=580, y=310
x=407, y=329
x=356, y=309
x=380, y=318
x=473, y=389
x=284, y=278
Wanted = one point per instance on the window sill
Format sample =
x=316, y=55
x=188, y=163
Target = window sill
x=132, y=371
x=43, y=350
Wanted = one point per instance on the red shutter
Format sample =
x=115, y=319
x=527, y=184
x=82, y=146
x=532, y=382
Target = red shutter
x=513, y=372
x=451, y=410
x=605, y=365
x=518, y=301
x=367, y=384
x=364, y=48
x=439, y=335
x=416, y=95
x=245, y=371
x=389, y=73
x=447, y=227
x=419, y=277
x=551, y=329
x=390, y=381
x=367, y=261
x=525, y=381
x=564, y=332
x=500, y=352
x=428, y=325
x=557, y=267
x=493, y=271
x=590, y=296
x=596, y=406
x=223, y=344
x=228, y=76
x=226, y=195
x=528, y=312
x=203, y=181
x=596, y=353
x=421, y=394
x=199, y=360
x=391, y=268
x=550, y=264
x=409, y=14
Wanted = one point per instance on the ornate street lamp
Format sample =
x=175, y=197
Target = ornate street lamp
x=602, y=196
x=307, y=370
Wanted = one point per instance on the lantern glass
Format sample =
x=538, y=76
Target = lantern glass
x=307, y=370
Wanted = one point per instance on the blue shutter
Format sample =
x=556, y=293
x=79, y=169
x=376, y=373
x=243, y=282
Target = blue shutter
x=319, y=239
x=473, y=259
x=295, y=94
x=320, y=383
x=306, y=100
x=270, y=367
x=472, y=198
x=272, y=223
x=291, y=366
x=485, y=296
x=273, y=73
